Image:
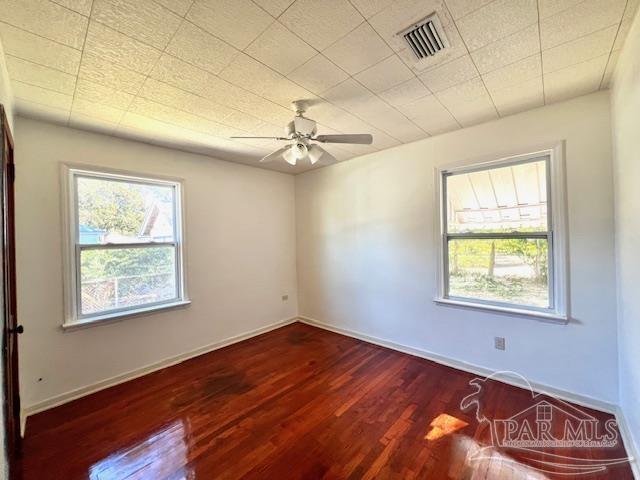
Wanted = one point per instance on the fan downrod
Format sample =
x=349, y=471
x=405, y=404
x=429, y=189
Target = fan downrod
x=299, y=106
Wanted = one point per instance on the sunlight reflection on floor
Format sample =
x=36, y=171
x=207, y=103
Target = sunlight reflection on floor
x=155, y=457
x=444, y=424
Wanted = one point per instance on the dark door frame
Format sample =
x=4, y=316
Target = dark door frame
x=11, y=329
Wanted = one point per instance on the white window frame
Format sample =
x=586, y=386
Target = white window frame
x=556, y=235
x=72, y=247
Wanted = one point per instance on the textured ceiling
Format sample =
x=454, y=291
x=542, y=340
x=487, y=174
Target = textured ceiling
x=191, y=73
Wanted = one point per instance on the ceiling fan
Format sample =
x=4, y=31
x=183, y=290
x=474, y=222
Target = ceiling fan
x=301, y=132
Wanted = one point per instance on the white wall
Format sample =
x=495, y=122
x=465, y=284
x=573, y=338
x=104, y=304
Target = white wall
x=367, y=261
x=626, y=143
x=240, y=258
x=6, y=98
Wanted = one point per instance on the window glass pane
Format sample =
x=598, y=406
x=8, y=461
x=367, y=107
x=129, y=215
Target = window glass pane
x=504, y=199
x=506, y=270
x=126, y=277
x=112, y=211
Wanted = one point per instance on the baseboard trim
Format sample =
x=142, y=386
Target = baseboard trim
x=139, y=372
x=629, y=444
x=578, y=399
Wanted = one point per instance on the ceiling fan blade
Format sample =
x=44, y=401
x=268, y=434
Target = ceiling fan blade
x=359, y=138
x=263, y=138
x=275, y=155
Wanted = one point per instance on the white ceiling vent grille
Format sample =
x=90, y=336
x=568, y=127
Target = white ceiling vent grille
x=425, y=38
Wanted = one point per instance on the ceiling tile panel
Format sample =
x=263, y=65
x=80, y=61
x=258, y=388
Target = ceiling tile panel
x=181, y=7
x=261, y=108
x=402, y=14
x=118, y=48
x=102, y=95
x=385, y=74
x=472, y=112
x=460, y=8
x=91, y=123
x=549, y=8
x=518, y=98
x=250, y=74
x=83, y=7
x=141, y=127
x=112, y=75
x=449, y=74
x=280, y=49
x=180, y=74
x=321, y=23
x=143, y=20
x=575, y=80
x=419, y=107
x=510, y=49
x=95, y=110
x=430, y=115
x=41, y=111
x=194, y=80
x=274, y=7
x=238, y=22
x=358, y=50
x=29, y=46
x=34, y=74
x=329, y=114
x=42, y=96
x=46, y=19
x=496, y=20
x=368, y=8
x=200, y=48
x=318, y=74
x=404, y=93
x=587, y=17
x=437, y=125
x=400, y=127
x=173, y=97
x=148, y=108
x=349, y=95
x=191, y=73
x=249, y=123
x=579, y=50
x=462, y=92
x=517, y=72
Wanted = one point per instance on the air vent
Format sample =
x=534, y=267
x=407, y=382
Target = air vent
x=425, y=38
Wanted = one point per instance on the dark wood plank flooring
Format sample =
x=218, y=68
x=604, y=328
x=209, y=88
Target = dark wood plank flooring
x=295, y=403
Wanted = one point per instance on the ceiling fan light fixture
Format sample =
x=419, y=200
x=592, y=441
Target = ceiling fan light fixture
x=315, y=153
x=290, y=156
x=300, y=150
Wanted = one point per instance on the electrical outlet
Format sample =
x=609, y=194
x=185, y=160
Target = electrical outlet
x=498, y=343
x=285, y=298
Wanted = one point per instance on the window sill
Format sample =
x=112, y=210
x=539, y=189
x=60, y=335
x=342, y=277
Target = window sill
x=542, y=316
x=114, y=317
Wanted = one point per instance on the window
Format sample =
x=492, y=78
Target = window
x=502, y=241
x=125, y=245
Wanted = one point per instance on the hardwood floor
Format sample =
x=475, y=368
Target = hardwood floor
x=295, y=403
